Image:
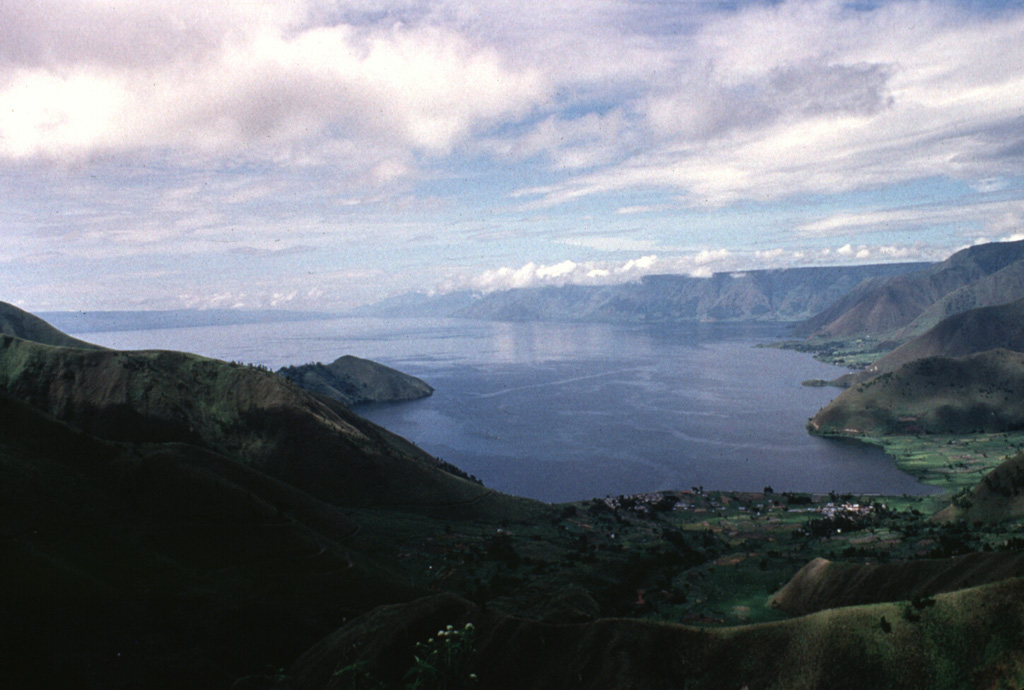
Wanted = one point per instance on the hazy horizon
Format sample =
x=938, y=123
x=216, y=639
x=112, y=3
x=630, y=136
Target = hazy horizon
x=321, y=155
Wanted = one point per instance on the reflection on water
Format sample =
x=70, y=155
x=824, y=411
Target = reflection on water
x=570, y=411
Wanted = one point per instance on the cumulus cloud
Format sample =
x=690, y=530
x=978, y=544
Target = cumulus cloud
x=699, y=264
x=564, y=273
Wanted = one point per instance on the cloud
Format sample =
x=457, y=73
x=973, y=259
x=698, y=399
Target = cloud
x=824, y=97
x=284, y=139
x=251, y=79
x=992, y=216
x=700, y=264
x=612, y=243
x=564, y=273
x=568, y=272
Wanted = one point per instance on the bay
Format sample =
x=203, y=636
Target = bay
x=562, y=412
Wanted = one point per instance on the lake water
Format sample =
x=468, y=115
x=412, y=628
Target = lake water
x=562, y=412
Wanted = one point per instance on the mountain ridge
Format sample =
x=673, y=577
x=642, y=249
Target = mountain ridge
x=906, y=305
x=788, y=294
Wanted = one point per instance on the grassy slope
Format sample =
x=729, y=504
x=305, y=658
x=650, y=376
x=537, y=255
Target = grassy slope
x=186, y=535
x=20, y=324
x=161, y=565
x=936, y=395
x=973, y=638
x=1005, y=285
x=254, y=416
x=997, y=497
x=823, y=584
x=960, y=335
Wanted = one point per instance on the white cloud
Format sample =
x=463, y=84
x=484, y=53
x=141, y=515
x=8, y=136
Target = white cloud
x=612, y=243
x=822, y=97
x=255, y=81
x=995, y=216
x=700, y=263
x=563, y=273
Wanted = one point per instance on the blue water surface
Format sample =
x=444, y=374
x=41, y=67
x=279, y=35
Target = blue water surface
x=562, y=412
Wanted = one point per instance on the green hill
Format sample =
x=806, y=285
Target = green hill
x=140, y=565
x=252, y=415
x=1005, y=285
x=20, y=324
x=824, y=584
x=969, y=639
x=982, y=392
x=352, y=381
x=968, y=333
x=169, y=521
x=999, y=496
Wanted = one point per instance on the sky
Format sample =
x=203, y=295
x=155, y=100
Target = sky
x=317, y=154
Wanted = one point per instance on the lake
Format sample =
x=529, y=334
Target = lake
x=562, y=412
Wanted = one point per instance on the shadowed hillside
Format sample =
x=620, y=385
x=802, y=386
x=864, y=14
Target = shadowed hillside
x=972, y=638
x=823, y=584
x=895, y=307
x=967, y=333
x=983, y=392
x=161, y=565
x=173, y=521
x=998, y=496
x=352, y=381
x=251, y=415
x=1005, y=285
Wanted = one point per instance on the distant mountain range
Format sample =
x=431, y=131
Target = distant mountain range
x=885, y=302
x=790, y=294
